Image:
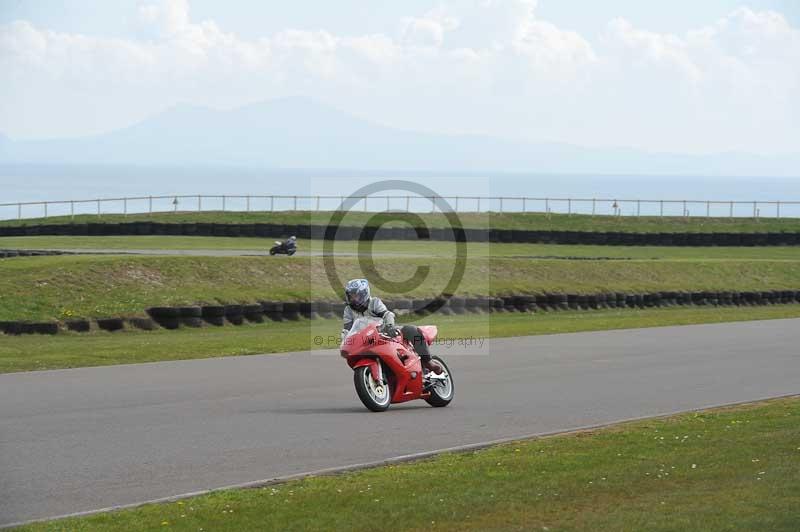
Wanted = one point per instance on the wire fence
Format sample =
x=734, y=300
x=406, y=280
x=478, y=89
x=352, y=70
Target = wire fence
x=461, y=204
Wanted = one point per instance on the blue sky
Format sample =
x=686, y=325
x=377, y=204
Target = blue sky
x=683, y=75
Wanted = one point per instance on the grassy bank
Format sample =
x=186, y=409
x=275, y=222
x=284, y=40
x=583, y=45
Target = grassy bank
x=532, y=221
x=725, y=469
x=426, y=248
x=69, y=350
x=97, y=286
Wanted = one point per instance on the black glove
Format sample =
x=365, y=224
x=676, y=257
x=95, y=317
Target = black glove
x=390, y=330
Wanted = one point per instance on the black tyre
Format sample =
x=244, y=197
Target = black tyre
x=375, y=396
x=442, y=393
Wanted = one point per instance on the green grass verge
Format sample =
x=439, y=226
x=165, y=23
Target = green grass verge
x=726, y=469
x=70, y=350
x=59, y=287
x=533, y=221
x=426, y=248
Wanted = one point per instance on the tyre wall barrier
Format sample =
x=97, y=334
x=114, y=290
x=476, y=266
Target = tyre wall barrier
x=11, y=253
x=235, y=314
x=268, y=230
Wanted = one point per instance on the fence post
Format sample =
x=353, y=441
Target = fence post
x=271, y=203
x=365, y=203
x=479, y=204
x=731, y=210
x=456, y=203
x=223, y=203
x=408, y=203
x=125, y=207
x=501, y=204
x=594, y=205
x=45, y=209
x=547, y=206
x=638, y=208
x=317, y=203
x=295, y=203
x=98, y=208
x=71, y=210
x=661, y=209
x=778, y=205
x=387, y=202
x=685, y=212
x=569, y=206
x=150, y=204
x=248, y=203
x=755, y=209
x=708, y=209
x=199, y=203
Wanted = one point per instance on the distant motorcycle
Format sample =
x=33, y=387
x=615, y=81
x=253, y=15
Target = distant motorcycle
x=388, y=370
x=281, y=248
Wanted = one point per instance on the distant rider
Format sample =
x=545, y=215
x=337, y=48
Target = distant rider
x=360, y=304
x=291, y=244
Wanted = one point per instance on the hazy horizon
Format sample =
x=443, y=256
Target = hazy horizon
x=679, y=78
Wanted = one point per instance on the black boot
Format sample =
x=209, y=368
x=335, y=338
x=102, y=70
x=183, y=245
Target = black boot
x=432, y=365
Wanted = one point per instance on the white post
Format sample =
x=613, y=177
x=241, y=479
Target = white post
x=479, y=204
x=638, y=207
x=98, y=208
x=569, y=207
x=223, y=203
x=199, y=203
x=661, y=209
x=731, y=210
x=295, y=203
x=150, y=204
x=755, y=209
x=501, y=204
x=408, y=203
x=271, y=203
x=248, y=203
x=685, y=212
x=524, y=205
x=778, y=205
x=317, y=203
x=708, y=209
x=456, y=203
x=125, y=207
x=45, y=209
x=594, y=204
x=387, y=202
x=365, y=203
x=72, y=210
x=547, y=205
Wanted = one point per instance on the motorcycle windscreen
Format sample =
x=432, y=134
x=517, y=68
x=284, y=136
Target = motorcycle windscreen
x=362, y=323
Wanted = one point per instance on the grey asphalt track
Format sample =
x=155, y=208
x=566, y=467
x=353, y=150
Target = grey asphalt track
x=84, y=439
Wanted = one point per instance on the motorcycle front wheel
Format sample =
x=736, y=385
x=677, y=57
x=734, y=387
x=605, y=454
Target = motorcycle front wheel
x=375, y=396
x=442, y=387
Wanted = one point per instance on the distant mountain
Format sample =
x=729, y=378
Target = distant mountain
x=301, y=133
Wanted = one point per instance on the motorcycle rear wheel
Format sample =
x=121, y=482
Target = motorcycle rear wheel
x=442, y=392
x=375, y=396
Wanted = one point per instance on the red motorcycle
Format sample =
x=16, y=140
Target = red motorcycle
x=387, y=370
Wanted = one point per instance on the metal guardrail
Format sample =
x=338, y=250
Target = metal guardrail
x=461, y=204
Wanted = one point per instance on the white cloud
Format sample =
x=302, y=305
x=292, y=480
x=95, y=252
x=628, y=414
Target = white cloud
x=481, y=66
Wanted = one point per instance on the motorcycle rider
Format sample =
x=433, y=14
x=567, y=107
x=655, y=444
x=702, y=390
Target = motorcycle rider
x=291, y=244
x=360, y=304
